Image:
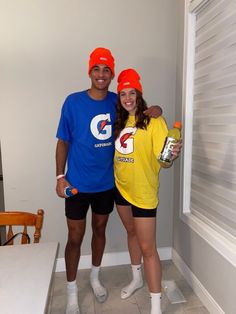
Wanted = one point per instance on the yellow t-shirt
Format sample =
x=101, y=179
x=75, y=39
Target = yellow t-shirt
x=135, y=162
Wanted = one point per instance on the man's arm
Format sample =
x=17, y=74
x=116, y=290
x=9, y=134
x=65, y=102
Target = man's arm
x=153, y=111
x=61, y=158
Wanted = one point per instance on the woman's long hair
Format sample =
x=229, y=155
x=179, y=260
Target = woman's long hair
x=141, y=120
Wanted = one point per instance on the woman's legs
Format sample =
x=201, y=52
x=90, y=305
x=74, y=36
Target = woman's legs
x=127, y=219
x=146, y=235
x=126, y=216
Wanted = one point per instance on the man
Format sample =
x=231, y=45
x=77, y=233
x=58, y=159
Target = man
x=86, y=144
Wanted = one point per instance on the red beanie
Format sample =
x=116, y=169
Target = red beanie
x=129, y=78
x=101, y=56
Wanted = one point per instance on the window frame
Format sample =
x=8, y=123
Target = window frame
x=217, y=237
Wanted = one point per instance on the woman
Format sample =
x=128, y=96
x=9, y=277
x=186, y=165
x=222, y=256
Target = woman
x=139, y=140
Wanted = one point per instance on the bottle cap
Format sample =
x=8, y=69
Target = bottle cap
x=178, y=125
x=74, y=191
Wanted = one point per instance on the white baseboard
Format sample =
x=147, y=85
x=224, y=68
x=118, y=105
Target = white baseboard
x=196, y=285
x=111, y=259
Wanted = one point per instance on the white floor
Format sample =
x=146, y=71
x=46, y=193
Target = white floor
x=114, y=278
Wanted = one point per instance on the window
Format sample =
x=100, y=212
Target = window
x=209, y=172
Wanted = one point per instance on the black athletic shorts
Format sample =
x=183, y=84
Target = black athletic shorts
x=137, y=211
x=102, y=203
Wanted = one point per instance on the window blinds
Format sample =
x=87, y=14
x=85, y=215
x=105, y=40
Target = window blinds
x=213, y=178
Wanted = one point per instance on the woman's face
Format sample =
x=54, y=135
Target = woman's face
x=128, y=97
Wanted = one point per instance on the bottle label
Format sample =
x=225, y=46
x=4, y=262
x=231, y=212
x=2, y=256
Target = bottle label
x=166, y=155
x=70, y=191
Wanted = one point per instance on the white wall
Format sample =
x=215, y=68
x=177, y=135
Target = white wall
x=45, y=47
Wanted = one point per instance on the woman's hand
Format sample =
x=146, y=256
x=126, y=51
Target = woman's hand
x=176, y=149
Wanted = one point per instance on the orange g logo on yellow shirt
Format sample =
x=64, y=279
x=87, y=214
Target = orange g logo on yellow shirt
x=125, y=142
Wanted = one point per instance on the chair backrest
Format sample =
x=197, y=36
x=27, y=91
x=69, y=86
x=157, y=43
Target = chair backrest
x=25, y=219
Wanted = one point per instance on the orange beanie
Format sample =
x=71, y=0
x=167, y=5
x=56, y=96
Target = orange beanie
x=129, y=78
x=101, y=56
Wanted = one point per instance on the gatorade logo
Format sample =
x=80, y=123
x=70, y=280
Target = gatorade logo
x=101, y=127
x=125, y=142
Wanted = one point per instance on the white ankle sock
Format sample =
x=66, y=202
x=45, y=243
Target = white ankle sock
x=99, y=291
x=156, y=303
x=135, y=284
x=72, y=298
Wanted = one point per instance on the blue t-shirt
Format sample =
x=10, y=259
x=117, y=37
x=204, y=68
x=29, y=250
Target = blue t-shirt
x=87, y=125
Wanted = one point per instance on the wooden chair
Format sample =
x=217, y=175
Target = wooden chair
x=25, y=219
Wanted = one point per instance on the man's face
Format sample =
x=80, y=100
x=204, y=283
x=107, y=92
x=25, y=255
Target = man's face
x=101, y=76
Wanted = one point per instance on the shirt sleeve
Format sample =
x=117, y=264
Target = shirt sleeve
x=63, y=130
x=160, y=131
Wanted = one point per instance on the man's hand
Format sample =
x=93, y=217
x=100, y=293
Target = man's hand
x=61, y=184
x=153, y=111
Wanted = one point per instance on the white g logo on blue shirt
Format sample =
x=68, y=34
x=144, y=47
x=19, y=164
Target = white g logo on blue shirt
x=101, y=127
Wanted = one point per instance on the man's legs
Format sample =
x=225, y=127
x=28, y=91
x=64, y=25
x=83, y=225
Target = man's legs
x=76, y=231
x=99, y=223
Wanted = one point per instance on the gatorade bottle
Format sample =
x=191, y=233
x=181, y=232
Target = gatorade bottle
x=165, y=158
x=70, y=191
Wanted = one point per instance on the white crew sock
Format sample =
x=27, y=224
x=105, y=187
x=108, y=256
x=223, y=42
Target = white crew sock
x=72, y=298
x=99, y=291
x=136, y=283
x=156, y=303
